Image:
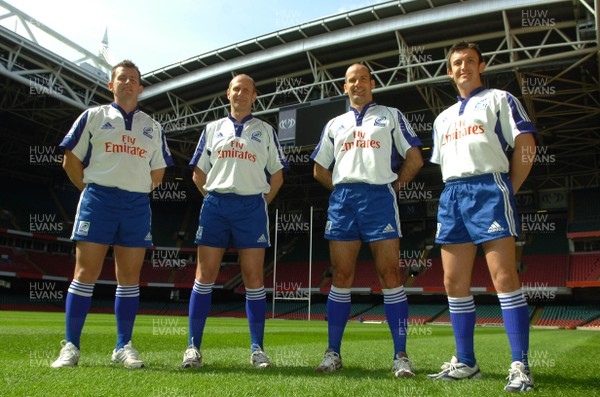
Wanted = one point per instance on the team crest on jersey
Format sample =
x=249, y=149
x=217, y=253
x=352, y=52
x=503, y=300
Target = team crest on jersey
x=482, y=104
x=107, y=126
x=147, y=132
x=381, y=122
x=256, y=136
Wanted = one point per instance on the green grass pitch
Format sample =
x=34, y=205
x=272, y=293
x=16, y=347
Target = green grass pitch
x=564, y=362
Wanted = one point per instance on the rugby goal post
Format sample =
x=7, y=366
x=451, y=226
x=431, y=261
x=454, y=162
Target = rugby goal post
x=289, y=291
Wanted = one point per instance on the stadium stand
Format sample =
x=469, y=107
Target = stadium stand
x=486, y=314
x=586, y=219
x=548, y=270
x=567, y=316
x=584, y=267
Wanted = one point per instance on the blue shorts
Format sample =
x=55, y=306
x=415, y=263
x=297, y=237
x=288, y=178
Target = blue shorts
x=230, y=220
x=477, y=209
x=109, y=215
x=360, y=211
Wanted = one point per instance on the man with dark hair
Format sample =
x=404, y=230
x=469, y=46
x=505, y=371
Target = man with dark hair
x=115, y=154
x=477, y=207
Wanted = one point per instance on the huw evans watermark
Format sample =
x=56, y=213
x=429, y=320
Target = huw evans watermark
x=540, y=359
x=413, y=54
x=414, y=327
x=293, y=223
x=45, y=291
x=167, y=259
x=169, y=326
x=414, y=260
x=539, y=292
x=169, y=191
x=45, y=223
x=41, y=358
x=290, y=290
x=536, y=19
x=537, y=87
x=291, y=86
x=284, y=357
x=538, y=155
x=45, y=155
x=170, y=122
x=414, y=191
x=419, y=123
x=44, y=86
x=537, y=223
x=295, y=156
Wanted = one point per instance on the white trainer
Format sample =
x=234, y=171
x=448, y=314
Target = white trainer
x=128, y=356
x=192, y=358
x=519, y=378
x=68, y=357
x=260, y=359
x=457, y=371
x=402, y=367
x=331, y=362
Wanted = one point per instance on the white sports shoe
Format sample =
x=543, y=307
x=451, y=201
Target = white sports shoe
x=128, y=356
x=519, y=378
x=402, y=367
x=68, y=357
x=260, y=359
x=192, y=358
x=457, y=371
x=331, y=362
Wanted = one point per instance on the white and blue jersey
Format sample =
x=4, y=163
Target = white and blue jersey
x=237, y=157
x=118, y=149
x=470, y=141
x=471, y=137
x=362, y=147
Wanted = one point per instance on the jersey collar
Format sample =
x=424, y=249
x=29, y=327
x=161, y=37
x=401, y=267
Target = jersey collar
x=128, y=117
x=359, y=116
x=473, y=93
x=239, y=127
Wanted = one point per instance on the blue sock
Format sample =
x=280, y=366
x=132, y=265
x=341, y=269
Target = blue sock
x=396, y=313
x=77, y=306
x=256, y=310
x=338, y=311
x=127, y=301
x=200, y=304
x=516, y=322
x=462, y=316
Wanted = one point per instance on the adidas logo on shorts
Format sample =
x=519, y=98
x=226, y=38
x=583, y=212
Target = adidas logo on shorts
x=495, y=227
x=389, y=229
x=262, y=239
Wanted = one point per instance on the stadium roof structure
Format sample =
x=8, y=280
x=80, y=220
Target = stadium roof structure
x=546, y=52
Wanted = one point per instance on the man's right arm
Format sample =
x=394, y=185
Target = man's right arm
x=199, y=178
x=323, y=175
x=74, y=169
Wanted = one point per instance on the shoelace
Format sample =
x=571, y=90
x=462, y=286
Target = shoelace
x=330, y=358
x=447, y=367
x=517, y=373
x=67, y=354
x=191, y=353
x=130, y=352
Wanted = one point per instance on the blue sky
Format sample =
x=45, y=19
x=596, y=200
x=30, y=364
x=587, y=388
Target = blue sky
x=156, y=33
